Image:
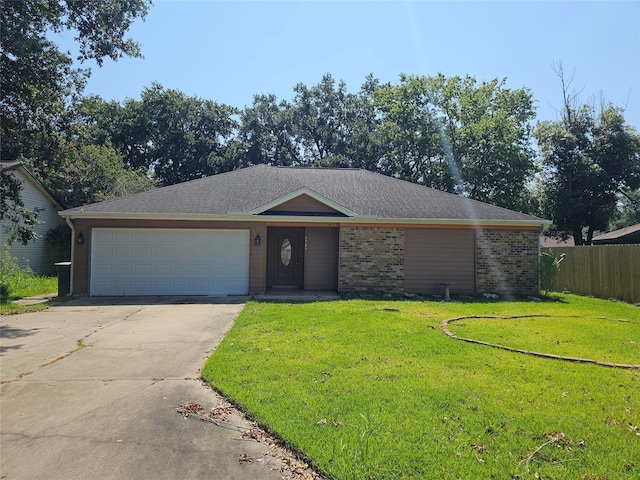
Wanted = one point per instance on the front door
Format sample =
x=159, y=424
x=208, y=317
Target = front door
x=285, y=257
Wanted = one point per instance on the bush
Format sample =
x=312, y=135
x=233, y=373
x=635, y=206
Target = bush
x=8, y=269
x=59, y=239
x=549, y=270
x=16, y=282
x=5, y=293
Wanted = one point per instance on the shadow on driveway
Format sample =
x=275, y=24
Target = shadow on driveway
x=154, y=300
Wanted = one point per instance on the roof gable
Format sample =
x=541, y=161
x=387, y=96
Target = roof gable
x=303, y=201
x=20, y=170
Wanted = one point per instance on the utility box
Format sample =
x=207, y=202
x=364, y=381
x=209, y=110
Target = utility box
x=64, y=278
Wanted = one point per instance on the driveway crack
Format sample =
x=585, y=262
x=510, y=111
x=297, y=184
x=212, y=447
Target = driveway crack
x=80, y=344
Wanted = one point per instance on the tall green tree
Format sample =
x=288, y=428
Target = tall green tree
x=488, y=130
x=365, y=146
x=93, y=173
x=39, y=81
x=172, y=136
x=186, y=136
x=458, y=135
x=324, y=125
x=319, y=118
x=266, y=134
x=416, y=144
x=587, y=159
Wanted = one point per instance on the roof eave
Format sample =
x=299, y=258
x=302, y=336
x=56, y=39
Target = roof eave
x=20, y=166
x=248, y=217
x=465, y=221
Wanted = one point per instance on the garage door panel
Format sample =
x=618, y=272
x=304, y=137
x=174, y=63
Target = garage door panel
x=139, y=270
x=145, y=287
x=166, y=262
x=202, y=252
x=122, y=270
x=162, y=269
x=101, y=271
x=181, y=269
x=200, y=269
x=123, y=236
x=142, y=254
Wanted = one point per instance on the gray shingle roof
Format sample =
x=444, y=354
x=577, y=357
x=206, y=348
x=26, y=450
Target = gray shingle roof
x=241, y=191
x=619, y=236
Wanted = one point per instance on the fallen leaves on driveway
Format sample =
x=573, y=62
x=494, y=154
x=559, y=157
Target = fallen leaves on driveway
x=289, y=464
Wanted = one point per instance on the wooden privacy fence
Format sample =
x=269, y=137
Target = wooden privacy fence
x=606, y=271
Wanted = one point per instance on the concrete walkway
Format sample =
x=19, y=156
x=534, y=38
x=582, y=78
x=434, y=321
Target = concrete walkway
x=37, y=299
x=90, y=389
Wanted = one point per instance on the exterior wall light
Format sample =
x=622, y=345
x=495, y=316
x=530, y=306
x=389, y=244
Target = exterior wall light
x=80, y=239
x=257, y=241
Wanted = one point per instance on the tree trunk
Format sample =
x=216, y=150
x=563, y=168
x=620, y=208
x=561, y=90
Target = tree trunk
x=577, y=236
x=589, y=236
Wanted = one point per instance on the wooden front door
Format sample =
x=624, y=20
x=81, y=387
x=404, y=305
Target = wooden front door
x=285, y=257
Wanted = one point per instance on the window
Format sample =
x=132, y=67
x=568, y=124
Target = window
x=285, y=252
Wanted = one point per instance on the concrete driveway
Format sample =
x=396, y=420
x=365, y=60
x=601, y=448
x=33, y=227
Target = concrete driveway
x=90, y=390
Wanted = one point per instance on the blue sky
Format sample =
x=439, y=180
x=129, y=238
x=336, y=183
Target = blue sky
x=230, y=51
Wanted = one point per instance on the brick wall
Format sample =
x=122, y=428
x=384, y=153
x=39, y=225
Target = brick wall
x=506, y=261
x=371, y=260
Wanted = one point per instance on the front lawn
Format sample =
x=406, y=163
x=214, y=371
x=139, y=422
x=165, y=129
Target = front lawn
x=375, y=390
x=17, y=283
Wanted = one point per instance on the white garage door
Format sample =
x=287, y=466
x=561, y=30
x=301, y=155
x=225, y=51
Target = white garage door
x=169, y=262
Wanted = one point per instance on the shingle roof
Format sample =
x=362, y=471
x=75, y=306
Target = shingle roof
x=241, y=191
x=629, y=233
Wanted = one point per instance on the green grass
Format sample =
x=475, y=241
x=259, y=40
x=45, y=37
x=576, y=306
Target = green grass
x=17, y=283
x=15, y=308
x=365, y=391
x=29, y=285
x=606, y=340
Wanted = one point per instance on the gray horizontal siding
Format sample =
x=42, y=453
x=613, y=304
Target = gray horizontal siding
x=37, y=255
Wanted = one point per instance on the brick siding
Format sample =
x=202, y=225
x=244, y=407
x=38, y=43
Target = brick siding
x=506, y=261
x=371, y=260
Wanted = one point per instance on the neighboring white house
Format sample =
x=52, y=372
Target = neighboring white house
x=39, y=256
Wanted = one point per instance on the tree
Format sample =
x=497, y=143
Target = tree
x=39, y=81
x=186, y=136
x=416, y=146
x=365, y=146
x=488, y=130
x=266, y=134
x=324, y=125
x=628, y=211
x=459, y=136
x=17, y=220
x=319, y=121
x=587, y=160
x=93, y=173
